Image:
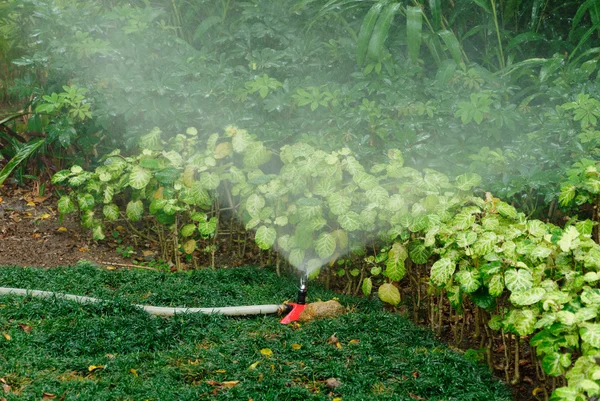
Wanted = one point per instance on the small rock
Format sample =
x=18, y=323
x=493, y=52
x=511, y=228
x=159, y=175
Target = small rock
x=318, y=310
x=332, y=382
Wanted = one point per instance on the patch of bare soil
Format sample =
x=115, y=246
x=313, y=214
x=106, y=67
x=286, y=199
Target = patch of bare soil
x=32, y=235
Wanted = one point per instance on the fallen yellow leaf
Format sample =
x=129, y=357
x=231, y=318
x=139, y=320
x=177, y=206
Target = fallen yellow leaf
x=45, y=216
x=30, y=204
x=1, y=199
x=266, y=352
x=61, y=229
x=48, y=396
x=110, y=268
x=133, y=372
x=36, y=235
x=338, y=345
x=92, y=368
x=220, y=371
x=354, y=342
x=120, y=228
x=337, y=399
x=8, y=337
x=254, y=365
x=296, y=346
x=230, y=383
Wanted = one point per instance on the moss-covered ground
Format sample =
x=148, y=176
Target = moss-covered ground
x=58, y=349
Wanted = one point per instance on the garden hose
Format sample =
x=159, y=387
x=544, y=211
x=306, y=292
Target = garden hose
x=159, y=310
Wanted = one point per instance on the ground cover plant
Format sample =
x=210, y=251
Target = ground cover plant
x=58, y=349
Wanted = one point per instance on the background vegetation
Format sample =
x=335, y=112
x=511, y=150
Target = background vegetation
x=359, y=128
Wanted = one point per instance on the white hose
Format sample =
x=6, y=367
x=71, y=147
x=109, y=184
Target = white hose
x=155, y=310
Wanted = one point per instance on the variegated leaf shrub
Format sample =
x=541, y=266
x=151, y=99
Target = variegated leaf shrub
x=533, y=279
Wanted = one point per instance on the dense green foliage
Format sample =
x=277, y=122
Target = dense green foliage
x=471, y=86
x=372, y=124
x=190, y=356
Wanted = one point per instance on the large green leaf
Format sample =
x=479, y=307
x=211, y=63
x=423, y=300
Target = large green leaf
x=452, y=45
x=325, y=245
x=265, y=237
x=555, y=363
x=296, y=257
x=364, y=180
x=518, y=280
x=388, y=293
x=485, y=243
x=467, y=181
x=527, y=297
x=590, y=333
x=22, y=154
x=469, y=280
x=210, y=180
x=85, y=201
x=98, y=233
x=338, y=203
x=395, y=269
x=378, y=195
x=111, y=212
x=567, y=194
x=366, y=30
x=522, y=321
x=187, y=230
x=414, y=26
x=60, y=176
x=207, y=228
x=442, y=270
x=134, y=210
x=254, y=204
x=506, y=210
x=367, y=286
x=350, y=221
x=139, y=177
x=380, y=32
x=419, y=252
x=568, y=240
x=65, y=205
x=496, y=285
x=436, y=12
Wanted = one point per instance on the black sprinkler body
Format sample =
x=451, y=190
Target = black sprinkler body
x=302, y=295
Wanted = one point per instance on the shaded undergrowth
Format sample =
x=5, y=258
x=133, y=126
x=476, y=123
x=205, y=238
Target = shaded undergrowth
x=52, y=346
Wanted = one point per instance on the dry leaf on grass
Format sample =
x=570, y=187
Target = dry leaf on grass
x=266, y=352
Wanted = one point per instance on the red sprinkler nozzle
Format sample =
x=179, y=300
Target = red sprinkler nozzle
x=297, y=307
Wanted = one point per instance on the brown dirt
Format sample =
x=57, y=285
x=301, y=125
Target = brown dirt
x=32, y=235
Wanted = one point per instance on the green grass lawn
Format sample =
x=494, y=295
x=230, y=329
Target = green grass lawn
x=189, y=357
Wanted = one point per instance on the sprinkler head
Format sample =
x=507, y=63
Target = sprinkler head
x=295, y=309
x=294, y=314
